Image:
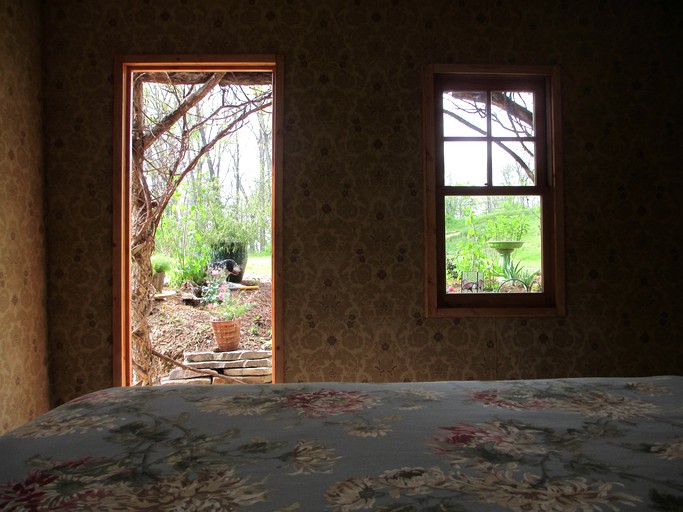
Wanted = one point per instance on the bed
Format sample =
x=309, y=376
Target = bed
x=539, y=445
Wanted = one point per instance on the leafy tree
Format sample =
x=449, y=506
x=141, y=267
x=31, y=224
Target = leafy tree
x=471, y=253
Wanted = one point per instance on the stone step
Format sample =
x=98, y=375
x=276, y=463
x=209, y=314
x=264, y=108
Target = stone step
x=167, y=381
x=182, y=373
x=237, y=363
x=249, y=366
x=261, y=379
x=219, y=365
x=240, y=372
x=227, y=356
x=258, y=379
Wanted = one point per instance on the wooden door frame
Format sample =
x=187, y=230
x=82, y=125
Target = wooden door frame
x=125, y=65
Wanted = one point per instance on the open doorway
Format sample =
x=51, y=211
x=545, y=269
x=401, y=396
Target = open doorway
x=159, y=142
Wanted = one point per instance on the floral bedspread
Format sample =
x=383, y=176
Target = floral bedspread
x=539, y=445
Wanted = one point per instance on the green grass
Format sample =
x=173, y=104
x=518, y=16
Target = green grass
x=259, y=265
x=530, y=253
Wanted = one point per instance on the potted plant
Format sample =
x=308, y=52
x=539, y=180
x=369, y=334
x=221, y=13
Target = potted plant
x=236, y=251
x=226, y=321
x=161, y=264
x=230, y=238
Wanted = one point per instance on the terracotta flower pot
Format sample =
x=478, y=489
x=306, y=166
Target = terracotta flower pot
x=227, y=334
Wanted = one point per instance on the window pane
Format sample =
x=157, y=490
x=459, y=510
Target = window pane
x=464, y=114
x=513, y=163
x=464, y=163
x=493, y=244
x=512, y=114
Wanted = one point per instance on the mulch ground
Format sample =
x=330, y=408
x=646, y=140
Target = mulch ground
x=177, y=327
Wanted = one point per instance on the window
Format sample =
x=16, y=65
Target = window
x=493, y=192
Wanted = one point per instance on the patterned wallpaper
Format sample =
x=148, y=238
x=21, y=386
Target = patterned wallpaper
x=353, y=179
x=23, y=324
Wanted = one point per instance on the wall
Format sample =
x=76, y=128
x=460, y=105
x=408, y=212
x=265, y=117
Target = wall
x=353, y=179
x=23, y=324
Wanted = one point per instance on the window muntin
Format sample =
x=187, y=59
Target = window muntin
x=493, y=160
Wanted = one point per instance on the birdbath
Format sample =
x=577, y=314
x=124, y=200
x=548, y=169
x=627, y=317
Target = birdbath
x=505, y=248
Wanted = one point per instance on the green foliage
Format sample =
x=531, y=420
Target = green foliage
x=232, y=307
x=161, y=263
x=530, y=253
x=470, y=251
x=195, y=223
x=199, y=223
x=516, y=272
x=470, y=223
x=226, y=224
x=215, y=289
x=193, y=269
x=223, y=303
x=507, y=227
x=451, y=269
x=180, y=234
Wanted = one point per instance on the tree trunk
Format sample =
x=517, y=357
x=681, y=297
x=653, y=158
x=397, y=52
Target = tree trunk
x=142, y=298
x=142, y=247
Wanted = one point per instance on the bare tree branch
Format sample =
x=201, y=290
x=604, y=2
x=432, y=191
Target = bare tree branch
x=509, y=151
x=502, y=101
x=190, y=101
x=230, y=128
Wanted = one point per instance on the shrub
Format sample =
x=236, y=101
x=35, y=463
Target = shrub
x=506, y=227
x=161, y=263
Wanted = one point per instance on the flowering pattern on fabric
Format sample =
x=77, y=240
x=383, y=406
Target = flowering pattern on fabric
x=65, y=424
x=504, y=441
x=328, y=402
x=237, y=405
x=504, y=486
x=594, y=403
x=539, y=446
x=90, y=484
x=670, y=451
